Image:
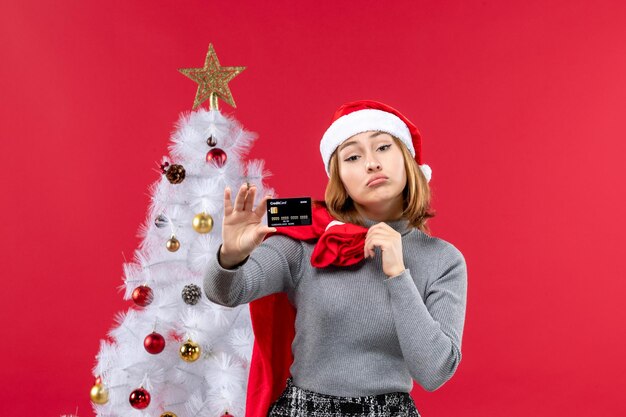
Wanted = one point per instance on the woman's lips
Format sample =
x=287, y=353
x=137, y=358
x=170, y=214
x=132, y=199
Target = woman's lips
x=377, y=181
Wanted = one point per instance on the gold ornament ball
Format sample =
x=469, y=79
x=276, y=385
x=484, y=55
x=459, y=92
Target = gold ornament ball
x=172, y=244
x=99, y=394
x=202, y=223
x=190, y=351
x=168, y=414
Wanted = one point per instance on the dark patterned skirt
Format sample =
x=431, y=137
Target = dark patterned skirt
x=298, y=402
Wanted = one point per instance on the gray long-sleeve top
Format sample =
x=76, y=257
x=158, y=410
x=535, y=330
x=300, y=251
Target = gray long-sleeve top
x=357, y=331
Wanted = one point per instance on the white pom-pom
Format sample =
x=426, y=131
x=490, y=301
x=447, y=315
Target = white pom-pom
x=427, y=171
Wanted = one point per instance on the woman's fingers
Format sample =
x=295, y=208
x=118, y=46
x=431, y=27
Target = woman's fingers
x=373, y=238
x=228, y=205
x=368, y=239
x=241, y=198
x=244, y=201
x=249, y=204
x=262, y=207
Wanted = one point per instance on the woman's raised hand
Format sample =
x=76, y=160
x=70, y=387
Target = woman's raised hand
x=242, y=230
x=390, y=242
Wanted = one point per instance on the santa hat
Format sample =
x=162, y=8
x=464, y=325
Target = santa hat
x=365, y=115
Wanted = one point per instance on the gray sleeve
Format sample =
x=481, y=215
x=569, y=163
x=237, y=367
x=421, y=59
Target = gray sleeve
x=430, y=330
x=273, y=266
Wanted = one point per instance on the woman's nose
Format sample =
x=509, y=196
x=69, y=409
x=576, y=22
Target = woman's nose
x=373, y=165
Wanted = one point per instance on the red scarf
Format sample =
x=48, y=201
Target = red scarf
x=273, y=316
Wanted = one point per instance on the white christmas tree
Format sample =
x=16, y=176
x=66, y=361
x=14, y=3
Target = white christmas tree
x=174, y=352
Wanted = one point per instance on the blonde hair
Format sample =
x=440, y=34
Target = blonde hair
x=416, y=195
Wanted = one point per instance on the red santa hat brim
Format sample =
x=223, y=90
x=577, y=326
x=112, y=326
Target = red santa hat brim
x=368, y=115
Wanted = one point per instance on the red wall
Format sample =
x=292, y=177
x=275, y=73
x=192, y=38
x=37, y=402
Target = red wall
x=521, y=107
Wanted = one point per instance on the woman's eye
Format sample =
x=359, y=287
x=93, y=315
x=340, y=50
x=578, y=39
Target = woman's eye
x=353, y=157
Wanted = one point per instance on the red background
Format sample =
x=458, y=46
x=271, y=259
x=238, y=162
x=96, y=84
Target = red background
x=521, y=107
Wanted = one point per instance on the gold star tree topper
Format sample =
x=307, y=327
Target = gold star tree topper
x=212, y=80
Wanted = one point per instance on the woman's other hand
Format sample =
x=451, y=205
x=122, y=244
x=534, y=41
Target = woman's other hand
x=390, y=243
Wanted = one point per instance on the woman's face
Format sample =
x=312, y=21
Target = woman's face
x=366, y=156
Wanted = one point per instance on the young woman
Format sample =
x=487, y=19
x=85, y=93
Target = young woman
x=365, y=331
